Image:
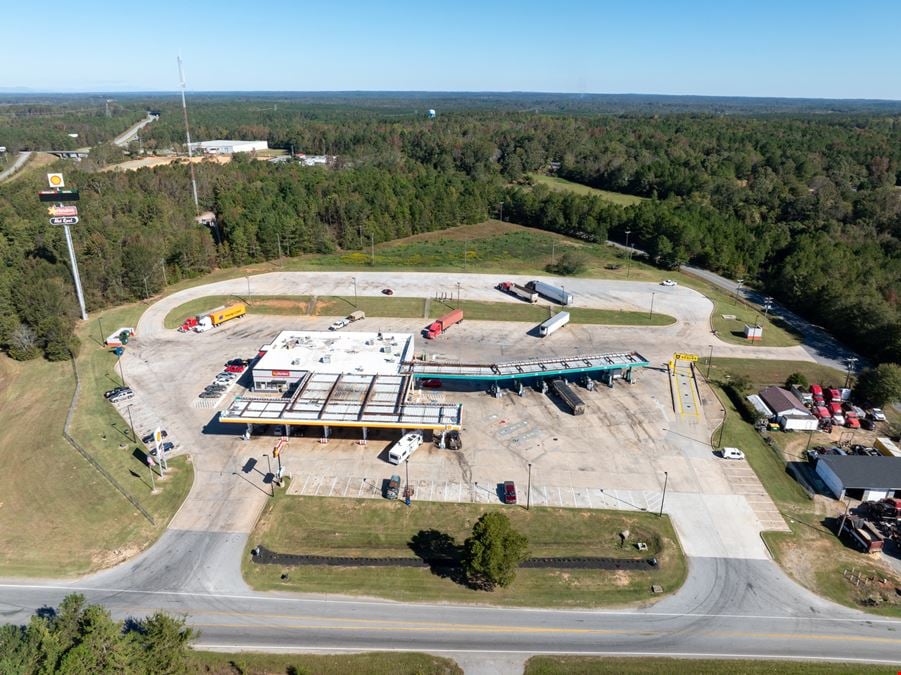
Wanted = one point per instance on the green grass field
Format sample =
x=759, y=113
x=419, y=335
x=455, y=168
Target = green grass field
x=596, y=665
x=363, y=527
x=374, y=663
x=763, y=373
x=563, y=185
x=58, y=515
x=410, y=308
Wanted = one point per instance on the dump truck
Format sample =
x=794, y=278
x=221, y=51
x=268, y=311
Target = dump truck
x=358, y=315
x=555, y=323
x=441, y=325
x=518, y=291
x=568, y=396
x=863, y=534
x=551, y=292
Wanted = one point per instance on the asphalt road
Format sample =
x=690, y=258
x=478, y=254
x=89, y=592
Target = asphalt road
x=822, y=347
x=129, y=135
x=21, y=158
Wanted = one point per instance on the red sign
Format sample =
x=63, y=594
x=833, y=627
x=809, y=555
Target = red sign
x=281, y=373
x=57, y=211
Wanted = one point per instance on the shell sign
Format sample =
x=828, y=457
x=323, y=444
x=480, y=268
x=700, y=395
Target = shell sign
x=55, y=180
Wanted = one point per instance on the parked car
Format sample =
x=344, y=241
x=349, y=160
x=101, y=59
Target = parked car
x=732, y=453
x=113, y=392
x=668, y=282
x=867, y=424
x=387, y=291
x=339, y=324
x=149, y=437
x=431, y=384
x=509, y=492
x=392, y=487
x=124, y=395
x=877, y=415
x=238, y=362
x=235, y=369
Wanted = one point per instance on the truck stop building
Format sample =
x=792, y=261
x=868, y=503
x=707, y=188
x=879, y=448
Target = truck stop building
x=861, y=476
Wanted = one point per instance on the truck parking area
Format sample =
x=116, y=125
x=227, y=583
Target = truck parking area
x=619, y=453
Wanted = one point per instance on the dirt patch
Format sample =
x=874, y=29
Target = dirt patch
x=104, y=559
x=489, y=228
x=299, y=307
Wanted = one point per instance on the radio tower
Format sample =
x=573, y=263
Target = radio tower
x=184, y=109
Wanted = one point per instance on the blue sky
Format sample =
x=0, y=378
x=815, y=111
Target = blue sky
x=791, y=48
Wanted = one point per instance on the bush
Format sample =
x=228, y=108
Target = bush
x=880, y=385
x=798, y=379
x=569, y=264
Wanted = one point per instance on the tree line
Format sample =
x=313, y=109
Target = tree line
x=808, y=207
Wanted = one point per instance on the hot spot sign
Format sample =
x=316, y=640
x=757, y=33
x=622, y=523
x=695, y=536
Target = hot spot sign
x=55, y=180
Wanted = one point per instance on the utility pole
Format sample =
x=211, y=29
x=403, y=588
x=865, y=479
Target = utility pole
x=465, y=246
x=458, y=295
x=372, y=245
x=709, y=359
x=279, y=242
x=738, y=288
x=75, y=275
x=628, y=255
x=165, y=276
x=722, y=428
x=354, y=279
x=767, y=305
x=651, y=315
x=131, y=423
x=529, y=490
x=121, y=372
x=851, y=361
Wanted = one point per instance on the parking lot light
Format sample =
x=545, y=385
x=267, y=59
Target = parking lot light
x=663, y=498
x=529, y=490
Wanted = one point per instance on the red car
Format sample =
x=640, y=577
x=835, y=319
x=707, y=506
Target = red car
x=387, y=291
x=509, y=492
x=431, y=384
x=234, y=369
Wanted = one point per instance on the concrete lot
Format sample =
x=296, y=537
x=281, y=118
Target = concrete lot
x=614, y=456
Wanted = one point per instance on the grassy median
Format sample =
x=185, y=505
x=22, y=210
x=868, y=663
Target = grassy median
x=377, y=528
x=374, y=663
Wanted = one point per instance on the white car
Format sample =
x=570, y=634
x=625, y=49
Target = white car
x=340, y=323
x=668, y=282
x=732, y=453
x=877, y=414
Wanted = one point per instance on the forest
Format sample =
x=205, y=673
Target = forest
x=806, y=204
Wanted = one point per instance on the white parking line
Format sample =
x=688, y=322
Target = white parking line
x=332, y=490
x=304, y=488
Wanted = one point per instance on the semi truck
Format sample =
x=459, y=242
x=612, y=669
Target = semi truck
x=441, y=325
x=216, y=317
x=518, y=291
x=551, y=292
x=347, y=320
x=568, y=396
x=553, y=324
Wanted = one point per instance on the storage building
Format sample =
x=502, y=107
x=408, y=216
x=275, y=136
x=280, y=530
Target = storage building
x=789, y=412
x=861, y=476
x=226, y=147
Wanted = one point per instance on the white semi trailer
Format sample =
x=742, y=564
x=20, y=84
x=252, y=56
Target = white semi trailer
x=551, y=292
x=555, y=323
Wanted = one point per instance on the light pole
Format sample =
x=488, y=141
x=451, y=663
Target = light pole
x=709, y=359
x=722, y=428
x=131, y=423
x=529, y=490
x=458, y=295
x=628, y=255
x=247, y=277
x=663, y=498
x=121, y=372
x=738, y=288
x=767, y=305
x=651, y=315
x=354, y=279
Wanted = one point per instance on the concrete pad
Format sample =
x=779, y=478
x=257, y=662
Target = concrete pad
x=716, y=526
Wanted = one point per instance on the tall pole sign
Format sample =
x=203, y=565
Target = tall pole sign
x=65, y=215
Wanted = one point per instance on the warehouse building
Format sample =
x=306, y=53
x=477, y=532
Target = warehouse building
x=226, y=147
x=861, y=476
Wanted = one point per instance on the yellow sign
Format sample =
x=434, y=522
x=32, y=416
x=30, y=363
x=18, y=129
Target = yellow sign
x=685, y=357
x=55, y=180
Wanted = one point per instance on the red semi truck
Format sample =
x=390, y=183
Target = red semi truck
x=441, y=325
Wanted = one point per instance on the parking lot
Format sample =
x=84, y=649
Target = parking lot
x=619, y=454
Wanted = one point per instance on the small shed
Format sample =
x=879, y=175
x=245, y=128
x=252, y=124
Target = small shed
x=861, y=476
x=753, y=333
x=760, y=406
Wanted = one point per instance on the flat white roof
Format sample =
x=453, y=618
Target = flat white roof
x=342, y=351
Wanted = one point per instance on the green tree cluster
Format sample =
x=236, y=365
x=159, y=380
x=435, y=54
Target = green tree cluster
x=879, y=386
x=79, y=638
x=493, y=552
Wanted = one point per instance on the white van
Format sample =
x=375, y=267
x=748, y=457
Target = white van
x=405, y=447
x=732, y=453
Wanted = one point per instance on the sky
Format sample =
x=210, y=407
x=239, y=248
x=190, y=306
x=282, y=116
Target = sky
x=793, y=48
